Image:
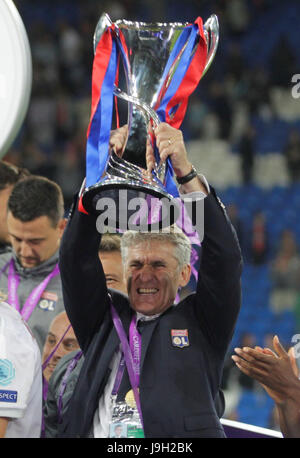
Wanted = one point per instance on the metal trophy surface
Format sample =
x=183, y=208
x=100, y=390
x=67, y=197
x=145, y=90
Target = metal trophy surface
x=15, y=74
x=156, y=58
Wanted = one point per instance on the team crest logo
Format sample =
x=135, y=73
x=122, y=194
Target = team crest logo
x=7, y=372
x=48, y=301
x=180, y=338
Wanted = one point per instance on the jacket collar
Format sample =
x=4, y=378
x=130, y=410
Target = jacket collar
x=43, y=268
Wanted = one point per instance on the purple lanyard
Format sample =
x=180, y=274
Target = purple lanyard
x=63, y=384
x=4, y=268
x=119, y=376
x=132, y=353
x=45, y=383
x=34, y=296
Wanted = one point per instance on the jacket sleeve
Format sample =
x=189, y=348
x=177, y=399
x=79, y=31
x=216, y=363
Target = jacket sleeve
x=218, y=295
x=83, y=280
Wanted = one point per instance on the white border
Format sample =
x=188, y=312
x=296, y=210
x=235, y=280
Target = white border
x=252, y=428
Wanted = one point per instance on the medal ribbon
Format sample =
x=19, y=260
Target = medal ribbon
x=104, y=74
x=132, y=358
x=186, y=62
x=34, y=296
x=172, y=100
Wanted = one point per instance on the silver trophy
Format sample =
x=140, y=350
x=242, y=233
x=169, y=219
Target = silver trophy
x=149, y=46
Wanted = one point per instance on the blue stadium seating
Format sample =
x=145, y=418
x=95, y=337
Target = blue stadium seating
x=255, y=408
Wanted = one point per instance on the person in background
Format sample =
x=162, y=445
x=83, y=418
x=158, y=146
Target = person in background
x=66, y=371
x=259, y=239
x=278, y=373
x=292, y=155
x=247, y=154
x=61, y=340
x=29, y=275
x=20, y=377
x=9, y=176
x=285, y=274
x=233, y=213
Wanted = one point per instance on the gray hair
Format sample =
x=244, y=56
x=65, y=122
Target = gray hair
x=173, y=234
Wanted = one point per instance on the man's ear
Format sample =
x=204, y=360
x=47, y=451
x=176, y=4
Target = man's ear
x=62, y=225
x=185, y=275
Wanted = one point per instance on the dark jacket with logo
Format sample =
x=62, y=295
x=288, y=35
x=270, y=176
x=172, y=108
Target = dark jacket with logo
x=178, y=386
x=50, y=302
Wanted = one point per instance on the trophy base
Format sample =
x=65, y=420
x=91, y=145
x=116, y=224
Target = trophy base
x=127, y=204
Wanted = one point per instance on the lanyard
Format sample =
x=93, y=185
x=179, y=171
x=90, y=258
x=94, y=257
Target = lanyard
x=131, y=352
x=45, y=383
x=63, y=384
x=119, y=376
x=34, y=296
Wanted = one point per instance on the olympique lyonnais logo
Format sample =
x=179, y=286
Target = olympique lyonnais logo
x=7, y=372
x=180, y=338
x=48, y=301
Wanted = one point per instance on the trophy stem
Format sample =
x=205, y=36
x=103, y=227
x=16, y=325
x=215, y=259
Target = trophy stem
x=139, y=103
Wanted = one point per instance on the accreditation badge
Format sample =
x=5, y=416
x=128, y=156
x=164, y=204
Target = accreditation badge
x=180, y=338
x=125, y=422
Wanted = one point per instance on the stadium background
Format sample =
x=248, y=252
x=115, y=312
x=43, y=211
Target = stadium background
x=237, y=128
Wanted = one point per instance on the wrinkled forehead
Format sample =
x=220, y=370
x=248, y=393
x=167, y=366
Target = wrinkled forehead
x=152, y=248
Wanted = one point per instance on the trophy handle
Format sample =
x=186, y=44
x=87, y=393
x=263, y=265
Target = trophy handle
x=101, y=26
x=211, y=31
x=148, y=113
x=146, y=109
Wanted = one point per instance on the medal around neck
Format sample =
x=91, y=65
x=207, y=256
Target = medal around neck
x=15, y=74
x=163, y=64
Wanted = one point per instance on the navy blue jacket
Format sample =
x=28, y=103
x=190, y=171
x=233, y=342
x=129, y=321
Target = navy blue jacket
x=178, y=386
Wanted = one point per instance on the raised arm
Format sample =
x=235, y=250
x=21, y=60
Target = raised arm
x=219, y=283
x=218, y=290
x=83, y=280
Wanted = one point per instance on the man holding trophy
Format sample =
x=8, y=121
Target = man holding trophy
x=151, y=366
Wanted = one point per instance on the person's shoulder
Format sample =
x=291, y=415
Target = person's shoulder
x=5, y=249
x=65, y=360
x=5, y=256
x=118, y=295
x=185, y=301
x=15, y=329
x=8, y=311
x=119, y=299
